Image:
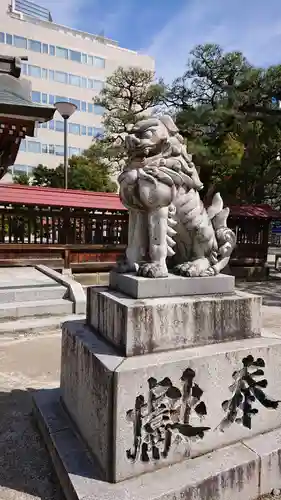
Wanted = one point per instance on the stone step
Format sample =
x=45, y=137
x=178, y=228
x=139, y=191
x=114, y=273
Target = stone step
x=28, y=294
x=28, y=326
x=17, y=310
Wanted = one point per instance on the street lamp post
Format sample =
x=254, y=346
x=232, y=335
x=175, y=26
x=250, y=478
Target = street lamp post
x=66, y=109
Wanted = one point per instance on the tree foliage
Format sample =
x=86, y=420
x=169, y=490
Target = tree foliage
x=22, y=179
x=224, y=109
x=84, y=173
x=128, y=95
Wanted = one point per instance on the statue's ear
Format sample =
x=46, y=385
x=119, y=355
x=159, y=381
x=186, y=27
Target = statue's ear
x=169, y=124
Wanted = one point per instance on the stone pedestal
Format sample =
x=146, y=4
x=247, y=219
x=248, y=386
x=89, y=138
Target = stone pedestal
x=155, y=382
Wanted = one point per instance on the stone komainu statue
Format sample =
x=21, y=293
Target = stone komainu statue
x=160, y=187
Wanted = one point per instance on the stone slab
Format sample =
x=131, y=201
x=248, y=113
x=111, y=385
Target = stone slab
x=141, y=326
x=231, y=473
x=138, y=287
x=109, y=397
x=268, y=448
x=87, y=372
x=24, y=277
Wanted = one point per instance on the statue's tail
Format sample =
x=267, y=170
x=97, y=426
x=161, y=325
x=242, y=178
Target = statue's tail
x=225, y=237
x=171, y=223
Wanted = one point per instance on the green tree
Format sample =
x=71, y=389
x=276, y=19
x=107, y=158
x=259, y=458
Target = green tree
x=22, y=179
x=224, y=109
x=83, y=173
x=128, y=95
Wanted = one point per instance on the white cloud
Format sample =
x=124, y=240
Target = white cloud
x=251, y=26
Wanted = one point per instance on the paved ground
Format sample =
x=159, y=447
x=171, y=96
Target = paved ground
x=29, y=363
x=22, y=276
x=26, y=364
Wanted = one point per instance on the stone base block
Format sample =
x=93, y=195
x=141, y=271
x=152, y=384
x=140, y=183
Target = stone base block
x=268, y=448
x=150, y=325
x=144, y=413
x=138, y=287
x=231, y=473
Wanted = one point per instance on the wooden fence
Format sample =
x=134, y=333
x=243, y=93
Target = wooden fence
x=60, y=236
x=93, y=239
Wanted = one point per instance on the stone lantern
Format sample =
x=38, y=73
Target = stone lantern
x=18, y=114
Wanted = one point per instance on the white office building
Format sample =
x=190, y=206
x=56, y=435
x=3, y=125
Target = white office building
x=63, y=64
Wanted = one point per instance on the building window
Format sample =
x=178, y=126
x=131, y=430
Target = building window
x=83, y=106
x=34, y=147
x=60, y=98
x=34, y=45
x=74, y=151
x=84, y=82
x=84, y=58
x=74, y=80
x=98, y=110
x=9, y=39
x=44, y=125
x=61, y=77
x=51, y=74
x=76, y=102
x=45, y=48
x=2, y=37
x=30, y=169
x=90, y=108
x=52, y=50
x=33, y=10
x=24, y=68
x=45, y=73
x=51, y=149
x=98, y=132
x=22, y=145
x=59, y=150
x=74, y=128
x=83, y=130
x=44, y=148
x=99, y=62
x=20, y=42
x=51, y=99
x=98, y=85
x=36, y=96
x=59, y=126
x=51, y=125
x=62, y=52
x=44, y=98
x=91, y=60
x=34, y=71
x=90, y=131
x=75, y=56
x=20, y=169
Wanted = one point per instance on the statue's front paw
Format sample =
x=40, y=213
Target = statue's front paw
x=208, y=272
x=153, y=270
x=182, y=269
x=193, y=268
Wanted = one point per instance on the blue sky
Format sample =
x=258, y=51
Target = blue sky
x=168, y=29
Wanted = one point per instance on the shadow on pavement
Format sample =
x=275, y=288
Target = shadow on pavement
x=270, y=290
x=25, y=468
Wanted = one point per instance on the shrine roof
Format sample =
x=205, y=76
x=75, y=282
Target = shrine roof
x=14, y=104
x=27, y=195
x=257, y=211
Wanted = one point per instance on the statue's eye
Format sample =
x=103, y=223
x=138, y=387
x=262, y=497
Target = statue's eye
x=148, y=134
